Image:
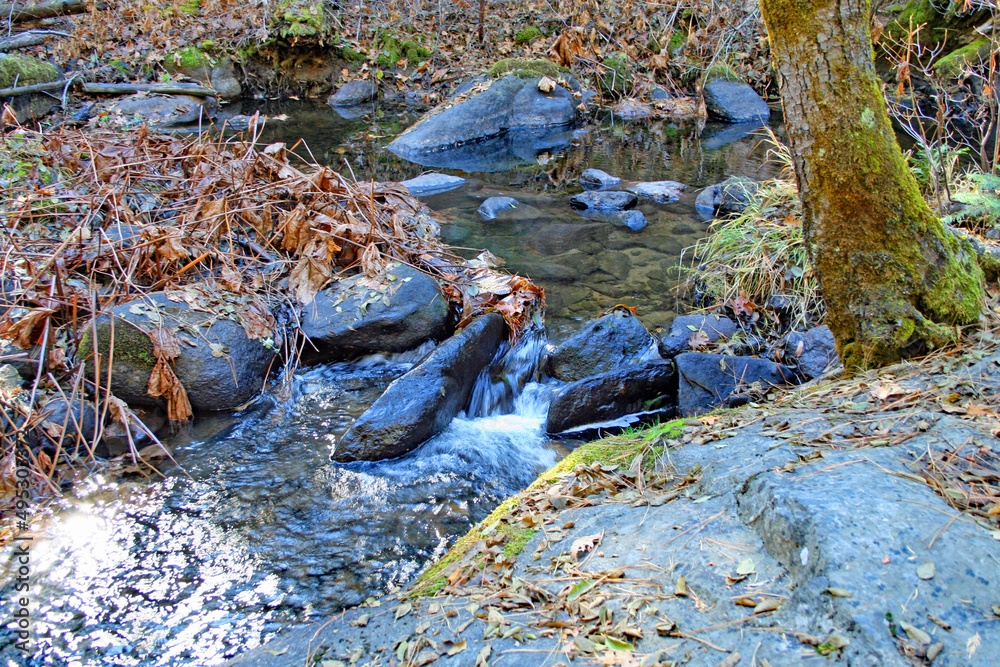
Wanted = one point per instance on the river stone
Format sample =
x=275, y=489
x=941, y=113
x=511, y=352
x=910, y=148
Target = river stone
x=731, y=196
x=624, y=391
x=421, y=403
x=595, y=179
x=350, y=321
x=353, y=92
x=489, y=209
x=634, y=219
x=604, y=201
x=432, y=184
x=609, y=342
x=22, y=70
x=632, y=110
x=165, y=110
x=734, y=102
x=813, y=351
x=660, y=191
x=220, y=76
x=509, y=104
x=706, y=381
x=212, y=382
x=67, y=425
x=678, y=339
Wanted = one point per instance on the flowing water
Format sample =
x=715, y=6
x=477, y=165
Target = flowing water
x=254, y=529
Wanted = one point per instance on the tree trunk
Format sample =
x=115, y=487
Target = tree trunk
x=894, y=280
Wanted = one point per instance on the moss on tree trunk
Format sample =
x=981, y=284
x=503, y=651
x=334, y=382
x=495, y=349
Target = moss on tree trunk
x=894, y=279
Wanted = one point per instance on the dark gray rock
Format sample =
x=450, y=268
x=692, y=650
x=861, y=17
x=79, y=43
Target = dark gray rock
x=813, y=351
x=432, y=184
x=349, y=321
x=609, y=342
x=707, y=381
x=489, y=209
x=165, y=110
x=123, y=236
x=639, y=388
x=661, y=191
x=353, y=92
x=734, y=102
x=731, y=196
x=218, y=74
x=511, y=149
x=658, y=94
x=678, y=339
x=68, y=426
x=212, y=382
x=604, y=201
x=634, y=220
x=632, y=110
x=595, y=179
x=509, y=104
x=423, y=402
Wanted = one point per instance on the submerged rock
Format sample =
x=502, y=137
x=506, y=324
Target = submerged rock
x=609, y=342
x=489, y=209
x=634, y=220
x=604, y=201
x=219, y=365
x=734, y=101
x=432, y=184
x=624, y=391
x=706, y=327
x=706, y=381
x=595, y=179
x=352, y=93
x=350, y=320
x=730, y=196
x=660, y=191
x=165, y=110
x=423, y=402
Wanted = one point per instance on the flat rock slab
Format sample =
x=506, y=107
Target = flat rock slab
x=604, y=201
x=432, y=184
x=635, y=220
x=707, y=381
x=659, y=191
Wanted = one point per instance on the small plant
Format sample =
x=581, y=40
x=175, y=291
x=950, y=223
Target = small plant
x=981, y=195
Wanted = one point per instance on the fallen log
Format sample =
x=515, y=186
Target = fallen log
x=163, y=88
x=18, y=12
x=27, y=38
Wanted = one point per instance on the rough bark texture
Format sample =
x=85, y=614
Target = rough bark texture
x=894, y=280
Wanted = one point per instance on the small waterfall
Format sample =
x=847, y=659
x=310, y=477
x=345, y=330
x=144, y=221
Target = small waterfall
x=504, y=380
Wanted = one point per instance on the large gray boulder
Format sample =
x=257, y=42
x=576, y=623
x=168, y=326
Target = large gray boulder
x=350, y=320
x=603, y=201
x=707, y=381
x=509, y=104
x=353, y=92
x=625, y=391
x=734, y=101
x=423, y=402
x=609, y=342
x=219, y=365
x=660, y=191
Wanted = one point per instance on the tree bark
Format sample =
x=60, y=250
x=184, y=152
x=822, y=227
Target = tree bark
x=31, y=11
x=894, y=280
x=162, y=88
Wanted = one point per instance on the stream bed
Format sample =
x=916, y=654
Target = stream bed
x=255, y=529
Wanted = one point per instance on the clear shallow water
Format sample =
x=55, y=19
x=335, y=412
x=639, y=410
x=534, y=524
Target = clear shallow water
x=257, y=530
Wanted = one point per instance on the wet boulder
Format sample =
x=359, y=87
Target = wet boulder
x=634, y=220
x=812, y=352
x=220, y=366
x=659, y=191
x=624, y=391
x=432, y=184
x=731, y=196
x=609, y=342
x=595, y=179
x=490, y=208
x=350, y=320
x=734, y=101
x=604, y=201
x=421, y=403
x=163, y=110
x=67, y=425
x=352, y=93
x=707, y=381
x=694, y=328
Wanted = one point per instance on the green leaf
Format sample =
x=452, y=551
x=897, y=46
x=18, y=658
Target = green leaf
x=746, y=566
x=617, y=644
x=577, y=590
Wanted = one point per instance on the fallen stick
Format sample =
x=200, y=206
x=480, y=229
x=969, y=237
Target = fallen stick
x=35, y=88
x=17, y=12
x=129, y=88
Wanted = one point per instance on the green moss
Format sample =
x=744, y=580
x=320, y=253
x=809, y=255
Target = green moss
x=720, y=70
x=392, y=50
x=25, y=71
x=191, y=7
x=526, y=68
x=297, y=18
x=614, y=79
x=131, y=344
x=188, y=58
x=952, y=65
x=955, y=296
x=527, y=36
x=351, y=55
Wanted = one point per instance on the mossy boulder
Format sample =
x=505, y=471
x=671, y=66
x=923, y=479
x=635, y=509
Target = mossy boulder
x=952, y=65
x=526, y=68
x=20, y=70
x=527, y=35
x=215, y=71
x=615, y=78
x=392, y=50
x=297, y=19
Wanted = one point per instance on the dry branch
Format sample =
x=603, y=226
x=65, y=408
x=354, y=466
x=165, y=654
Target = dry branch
x=36, y=88
x=162, y=88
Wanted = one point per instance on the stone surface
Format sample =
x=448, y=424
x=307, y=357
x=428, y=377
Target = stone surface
x=661, y=191
x=707, y=381
x=217, y=73
x=69, y=426
x=212, y=382
x=349, y=321
x=730, y=196
x=595, y=179
x=634, y=219
x=353, y=92
x=708, y=328
x=493, y=206
x=734, y=102
x=423, y=402
x=604, y=201
x=431, y=184
x=164, y=110
x=609, y=342
x=624, y=391
x=812, y=352
x=509, y=104
x=632, y=110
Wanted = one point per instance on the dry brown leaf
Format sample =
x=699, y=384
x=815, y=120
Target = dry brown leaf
x=371, y=261
x=308, y=278
x=166, y=345
x=164, y=384
x=230, y=279
x=27, y=330
x=172, y=247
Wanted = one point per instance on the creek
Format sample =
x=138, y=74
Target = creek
x=254, y=529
